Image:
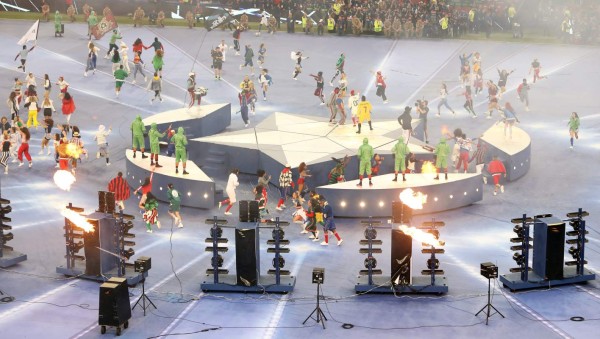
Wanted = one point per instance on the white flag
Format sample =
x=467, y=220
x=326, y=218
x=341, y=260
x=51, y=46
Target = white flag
x=31, y=34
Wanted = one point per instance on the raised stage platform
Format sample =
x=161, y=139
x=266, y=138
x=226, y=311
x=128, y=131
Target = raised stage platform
x=461, y=189
x=284, y=138
x=198, y=121
x=196, y=188
x=515, y=153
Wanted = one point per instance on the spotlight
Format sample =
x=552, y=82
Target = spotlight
x=128, y=253
x=370, y=262
x=574, y=252
x=433, y=264
x=370, y=233
x=318, y=275
x=362, y=204
x=205, y=196
x=278, y=231
x=489, y=270
x=7, y=237
x=217, y=261
x=127, y=226
x=189, y=194
x=142, y=264
x=343, y=203
x=218, y=230
x=160, y=188
x=381, y=204
x=451, y=196
x=279, y=263
x=465, y=193
x=519, y=258
x=435, y=199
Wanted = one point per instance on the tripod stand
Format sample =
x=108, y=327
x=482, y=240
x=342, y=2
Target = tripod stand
x=489, y=304
x=320, y=315
x=143, y=299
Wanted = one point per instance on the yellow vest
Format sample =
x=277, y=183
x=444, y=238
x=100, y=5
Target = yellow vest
x=471, y=15
x=377, y=26
x=444, y=23
x=330, y=24
x=303, y=22
x=337, y=8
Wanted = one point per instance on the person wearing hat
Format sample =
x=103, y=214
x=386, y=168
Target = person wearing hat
x=328, y=222
x=153, y=136
x=58, y=24
x=180, y=141
x=138, y=130
x=285, y=182
x=442, y=151
x=365, y=154
x=191, y=87
x=113, y=43
x=353, y=102
x=76, y=140
x=405, y=120
x=92, y=21
x=400, y=152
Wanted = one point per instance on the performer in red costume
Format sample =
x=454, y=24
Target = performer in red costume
x=496, y=168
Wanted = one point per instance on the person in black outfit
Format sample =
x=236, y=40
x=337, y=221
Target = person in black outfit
x=405, y=120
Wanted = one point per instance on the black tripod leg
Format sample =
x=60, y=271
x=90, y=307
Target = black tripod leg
x=495, y=309
x=310, y=316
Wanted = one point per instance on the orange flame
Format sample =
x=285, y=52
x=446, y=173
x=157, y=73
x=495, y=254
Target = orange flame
x=414, y=200
x=69, y=150
x=64, y=179
x=445, y=130
x=421, y=236
x=428, y=168
x=79, y=220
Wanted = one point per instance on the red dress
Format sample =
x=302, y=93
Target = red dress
x=68, y=106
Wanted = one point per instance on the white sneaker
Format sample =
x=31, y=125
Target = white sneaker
x=57, y=166
x=84, y=74
x=485, y=180
x=324, y=243
x=21, y=164
x=49, y=152
x=97, y=155
x=571, y=147
x=133, y=82
x=311, y=236
x=227, y=213
x=495, y=193
x=502, y=188
x=315, y=239
x=340, y=242
x=265, y=99
x=148, y=231
x=108, y=164
x=14, y=160
x=180, y=225
x=304, y=232
x=279, y=208
x=41, y=152
x=6, y=170
x=158, y=224
x=220, y=204
x=385, y=102
x=245, y=125
x=284, y=206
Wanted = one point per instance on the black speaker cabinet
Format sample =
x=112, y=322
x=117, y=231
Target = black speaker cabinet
x=401, y=214
x=401, y=258
x=106, y=202
x=246, y=256
x=548, y=248
x=114, y=309
x=91, y=245
x=249, y=211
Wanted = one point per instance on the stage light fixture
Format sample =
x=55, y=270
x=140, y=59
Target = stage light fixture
x=128, y=253
x=142, y=264
x=127, y=226
x=318, y=275
x=576, y=224
x=275, y=232
x=7, y=237
x=205, y=195
x=489, y=270
x=343, y=203
x=433, y=264
x=278, y=263
x=160, y=188
x=574, y=252
x=518, y=258
x=519, y=230
x=216, y=232
x=189, y=194
x=451, y=196
x=370, y=262
x=381, y=204
x=465, y=193
x=435, y=199
x=370, y=233
x=75, y=247
x=362, y=204
x=217, y=261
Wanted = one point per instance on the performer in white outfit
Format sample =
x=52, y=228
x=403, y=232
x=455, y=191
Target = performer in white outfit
x=232, y=183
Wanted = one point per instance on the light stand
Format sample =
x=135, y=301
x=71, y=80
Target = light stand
x=318, y=277
x=487, y=270
x=142, y=265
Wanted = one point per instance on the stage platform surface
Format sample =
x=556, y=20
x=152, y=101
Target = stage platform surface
x=514, y=152
x=196, y=188
x=349, y=200
x=286, y=138
x=197, y=121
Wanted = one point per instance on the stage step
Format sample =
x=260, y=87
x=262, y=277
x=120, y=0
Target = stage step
x=217, y=153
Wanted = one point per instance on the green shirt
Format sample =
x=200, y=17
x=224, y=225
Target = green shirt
x=120, y=74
